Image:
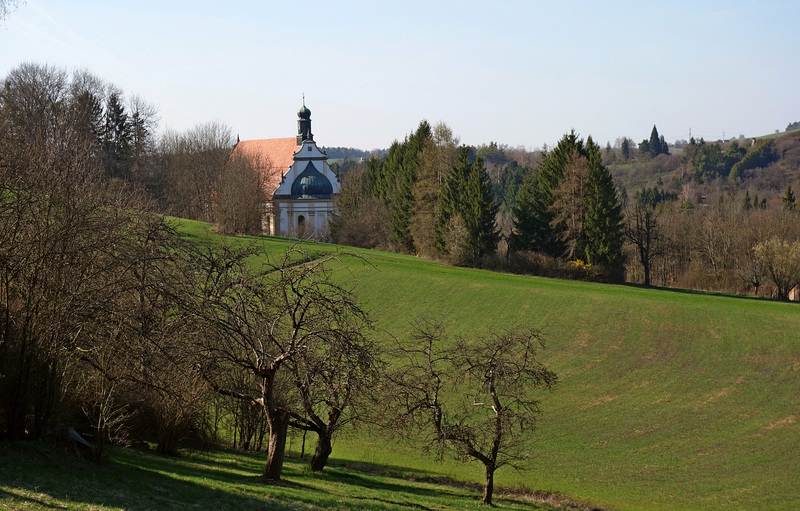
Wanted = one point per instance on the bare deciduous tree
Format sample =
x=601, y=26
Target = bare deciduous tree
x=276, y=323
x=473, y=399
x=240, y=196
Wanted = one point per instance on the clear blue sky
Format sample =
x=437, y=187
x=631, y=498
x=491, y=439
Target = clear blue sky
x=516, y=72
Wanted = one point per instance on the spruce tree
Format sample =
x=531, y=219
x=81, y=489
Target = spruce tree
x=603, y=228
x=533, y=214
x=394, y=181
x=116, y=138
x=788, y=202
x=625, y=148
x=654, y=142
x=467, y=196
x=540, y=223
x=480, y=212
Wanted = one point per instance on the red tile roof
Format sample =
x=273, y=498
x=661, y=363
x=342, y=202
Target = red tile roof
x=272, y=156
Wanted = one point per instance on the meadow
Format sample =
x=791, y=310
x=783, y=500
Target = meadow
x=667, y=399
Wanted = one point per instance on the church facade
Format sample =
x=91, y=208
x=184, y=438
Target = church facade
x=298, y=182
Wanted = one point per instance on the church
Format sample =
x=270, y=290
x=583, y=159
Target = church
x=298, y=182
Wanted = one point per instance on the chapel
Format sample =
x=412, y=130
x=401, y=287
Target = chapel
x=298, y=182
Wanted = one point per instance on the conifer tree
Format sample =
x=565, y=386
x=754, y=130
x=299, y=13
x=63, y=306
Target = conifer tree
x=789, y=202
x=533, y=213
x=393, y=181
x=603, y=228
x=467, y=199
x=548, y=219
x=116, y=138
x=654, y=142
x=625, y=148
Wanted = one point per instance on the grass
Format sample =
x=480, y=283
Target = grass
x=37, y=476
x=667, y=399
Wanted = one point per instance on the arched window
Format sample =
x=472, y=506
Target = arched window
x=301, y=226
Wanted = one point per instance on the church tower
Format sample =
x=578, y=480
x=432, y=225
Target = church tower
x=304, y=124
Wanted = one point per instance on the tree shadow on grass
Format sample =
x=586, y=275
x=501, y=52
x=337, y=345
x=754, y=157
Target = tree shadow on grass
x=35, y=479
x=699, y=292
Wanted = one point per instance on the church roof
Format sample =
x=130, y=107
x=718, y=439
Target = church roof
x=273, y=157
x=311, y=184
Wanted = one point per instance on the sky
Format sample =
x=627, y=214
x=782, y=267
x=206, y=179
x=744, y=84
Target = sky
x=521, y=73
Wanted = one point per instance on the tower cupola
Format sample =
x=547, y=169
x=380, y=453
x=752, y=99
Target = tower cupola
x=304, y=124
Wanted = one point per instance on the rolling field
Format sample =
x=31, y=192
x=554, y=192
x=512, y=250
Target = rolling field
x=666, y=400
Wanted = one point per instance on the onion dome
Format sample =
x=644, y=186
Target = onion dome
x=304, y=112
x=311, y=184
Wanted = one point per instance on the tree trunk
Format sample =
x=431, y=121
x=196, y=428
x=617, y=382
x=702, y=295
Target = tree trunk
x=488, y=488
x=278, y=420
x=324, y=449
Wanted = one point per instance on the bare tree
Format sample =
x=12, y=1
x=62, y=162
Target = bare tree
x=190, y=164
x=473, y=399
x=780, y=260
x=643, y=229
x=568, y=206
x=7, y=6
x=275, y=323
x=240, y=196
x=331, y=380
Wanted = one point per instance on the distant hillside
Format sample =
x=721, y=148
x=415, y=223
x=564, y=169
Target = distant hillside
x=338, y=153
x=674, y=172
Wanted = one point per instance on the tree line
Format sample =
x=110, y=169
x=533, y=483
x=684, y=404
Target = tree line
x=560, y=212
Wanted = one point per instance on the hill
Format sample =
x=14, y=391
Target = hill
x=674, y=172
x=667, y=398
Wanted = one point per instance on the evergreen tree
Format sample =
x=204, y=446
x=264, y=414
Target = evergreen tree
x=550, y=218
x=393, y=181
x=789, y=203
x=654, y=142
x=467, y=200
x=116, y=138
x=533, y=214
x=625, y=148
x=664, y=146
x=603, y=226
x=645, y=149
x=480, y=212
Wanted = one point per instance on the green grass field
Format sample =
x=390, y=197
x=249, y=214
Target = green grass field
x=667, y=399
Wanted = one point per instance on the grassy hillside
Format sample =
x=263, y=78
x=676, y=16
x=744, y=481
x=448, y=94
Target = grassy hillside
x=666, y=400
